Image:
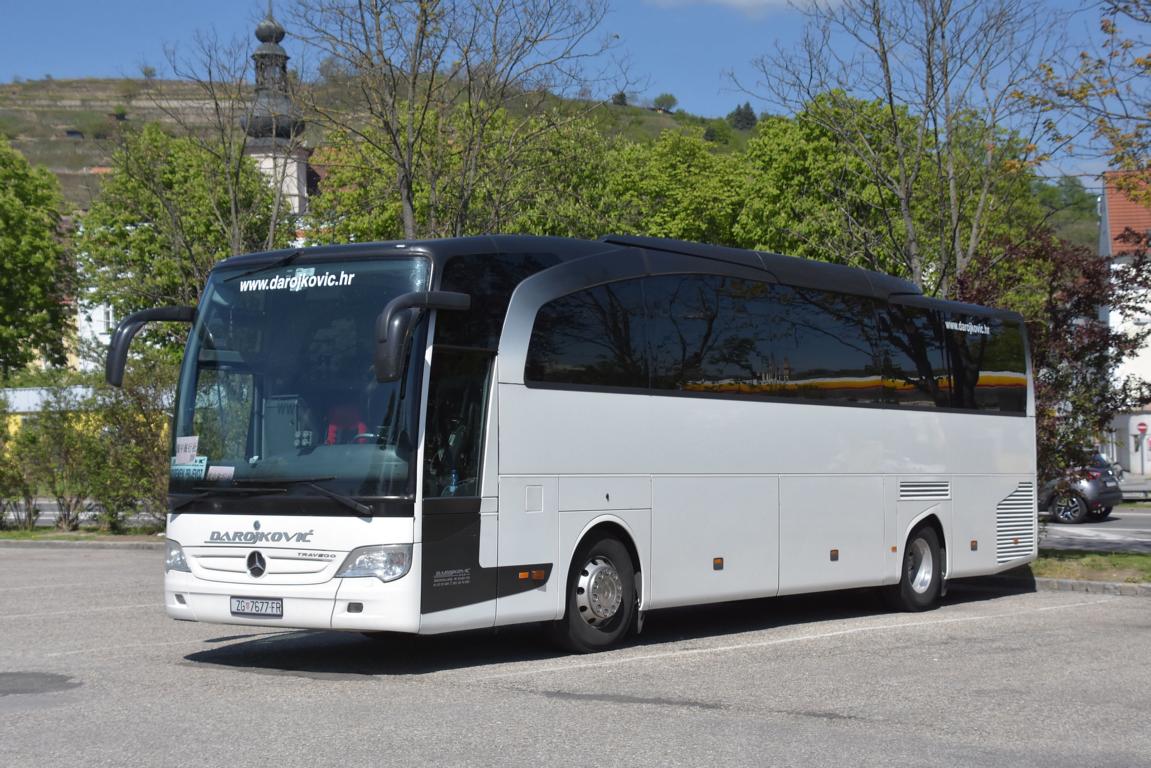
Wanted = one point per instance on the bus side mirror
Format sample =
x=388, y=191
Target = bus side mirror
x=127, y=330
x=395, y=323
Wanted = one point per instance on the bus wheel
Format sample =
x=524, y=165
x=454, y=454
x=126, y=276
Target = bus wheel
x=601, y=600
x=922, y=574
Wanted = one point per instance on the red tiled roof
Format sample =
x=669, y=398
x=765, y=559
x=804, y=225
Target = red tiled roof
x=1122, y=211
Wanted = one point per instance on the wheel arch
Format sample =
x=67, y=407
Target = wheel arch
x=619, y=529
x=930, y=518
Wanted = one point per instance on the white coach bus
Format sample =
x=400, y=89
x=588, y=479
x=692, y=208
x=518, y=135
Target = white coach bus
x=433, y=436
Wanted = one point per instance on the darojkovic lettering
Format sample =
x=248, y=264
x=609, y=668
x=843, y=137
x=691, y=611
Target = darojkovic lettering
x=258, y=537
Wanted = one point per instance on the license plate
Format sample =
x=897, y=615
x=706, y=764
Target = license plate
x=1110, y=483
x=271, y=607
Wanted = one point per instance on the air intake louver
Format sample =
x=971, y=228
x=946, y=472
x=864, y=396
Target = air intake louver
x=924, y=490
x=1015, y=524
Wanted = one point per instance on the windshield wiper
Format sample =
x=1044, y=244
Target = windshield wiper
x=209, y=492
x=283, y=261
x=362, y=509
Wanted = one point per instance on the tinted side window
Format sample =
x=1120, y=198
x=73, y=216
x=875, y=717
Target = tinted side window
x=988, y=363
x=726, y=335
x=915, y=366
x=489, y=279
x=594, y=337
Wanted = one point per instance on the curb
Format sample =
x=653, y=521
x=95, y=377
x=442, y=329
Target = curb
x=1063, y=585
x=1094, y=587
x=63, y=544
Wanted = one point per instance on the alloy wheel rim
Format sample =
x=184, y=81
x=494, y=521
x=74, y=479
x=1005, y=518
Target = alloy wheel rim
x=599, y=591
x=920, y=566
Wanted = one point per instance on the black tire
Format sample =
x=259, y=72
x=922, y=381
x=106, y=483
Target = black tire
x=1068, y=507
x=921, y=577
x=1100, y=514
x=601, y=580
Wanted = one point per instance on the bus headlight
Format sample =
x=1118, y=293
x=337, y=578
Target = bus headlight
x=174, y=560
x=387, y=562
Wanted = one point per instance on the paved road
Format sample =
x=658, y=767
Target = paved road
x=1128, y=529
x=92, y=674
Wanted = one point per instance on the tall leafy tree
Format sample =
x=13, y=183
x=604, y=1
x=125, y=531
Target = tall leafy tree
x=743, y=117
x=811, y=195
x=36, y=278
x=676, y=187
x=161, y=222
x=958, y=69
x=437, y=81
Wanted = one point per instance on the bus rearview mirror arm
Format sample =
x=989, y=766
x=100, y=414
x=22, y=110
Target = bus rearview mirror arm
x=395, y=323
x=127, y=330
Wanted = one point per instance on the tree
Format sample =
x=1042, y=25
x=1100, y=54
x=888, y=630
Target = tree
x=54, y=448
x=807, y=197
x=17, y=498
x=129, y=474
x=435, y=77
x=36, y=278
x=556, y=187
x=1099, y=101
x=665, y=101
x=619, y=99
x=219, y=71
x=743, y=117
x=1063, y=292
x=162, y=222
x=676, y=187
x=1070, y=210
x=957, y=71
x=810, y=195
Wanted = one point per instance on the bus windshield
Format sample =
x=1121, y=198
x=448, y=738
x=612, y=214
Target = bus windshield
x=278, y=387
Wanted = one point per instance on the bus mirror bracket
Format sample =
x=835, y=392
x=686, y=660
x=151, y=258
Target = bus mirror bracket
x=395, y=323
x=127, y=330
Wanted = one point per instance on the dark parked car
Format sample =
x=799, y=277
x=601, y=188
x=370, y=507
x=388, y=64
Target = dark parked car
x=1082, y=493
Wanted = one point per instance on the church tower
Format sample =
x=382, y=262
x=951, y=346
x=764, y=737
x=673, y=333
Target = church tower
x=275, y=125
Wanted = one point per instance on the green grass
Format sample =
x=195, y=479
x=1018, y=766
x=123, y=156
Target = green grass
x=86, y=533
x=1092, y=566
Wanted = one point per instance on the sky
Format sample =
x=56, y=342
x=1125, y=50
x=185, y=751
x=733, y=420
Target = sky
x=689, y=48
x=682, y=47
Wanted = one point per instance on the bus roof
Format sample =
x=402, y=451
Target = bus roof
x=789, y=270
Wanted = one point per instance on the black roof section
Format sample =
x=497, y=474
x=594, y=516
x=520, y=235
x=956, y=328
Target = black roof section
x=438, y=250
x=791, y=270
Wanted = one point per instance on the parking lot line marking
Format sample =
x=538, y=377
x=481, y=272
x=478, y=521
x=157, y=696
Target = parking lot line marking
x=784, y=640
x=80, y=610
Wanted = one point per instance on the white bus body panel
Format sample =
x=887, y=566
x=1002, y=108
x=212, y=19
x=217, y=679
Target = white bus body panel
x=794, y=497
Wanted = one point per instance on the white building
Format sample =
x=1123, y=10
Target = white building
x=1118, y=212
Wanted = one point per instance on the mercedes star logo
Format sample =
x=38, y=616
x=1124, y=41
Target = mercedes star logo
x=256, y=564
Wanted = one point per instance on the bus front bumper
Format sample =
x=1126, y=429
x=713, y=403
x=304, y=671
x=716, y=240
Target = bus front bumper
x=362, y=604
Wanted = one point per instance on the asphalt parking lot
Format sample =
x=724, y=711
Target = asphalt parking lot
x=92, y=673
x=1128, y=529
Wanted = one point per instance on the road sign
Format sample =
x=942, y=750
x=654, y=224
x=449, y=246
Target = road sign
x=1142, y=427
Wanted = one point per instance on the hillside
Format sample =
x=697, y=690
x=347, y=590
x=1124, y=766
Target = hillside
x=68, y=125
